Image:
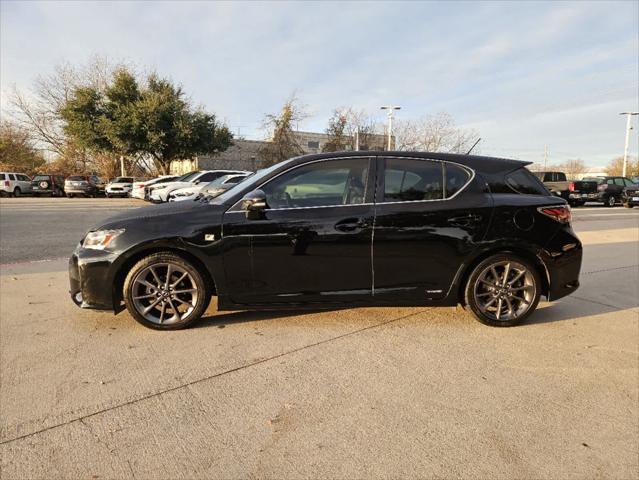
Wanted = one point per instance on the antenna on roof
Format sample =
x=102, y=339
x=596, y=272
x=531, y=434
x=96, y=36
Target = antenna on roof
x=474, y=145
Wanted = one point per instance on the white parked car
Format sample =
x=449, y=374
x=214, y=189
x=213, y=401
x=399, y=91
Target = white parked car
x=161, y=192
x=140, y=187
x=14, y=184
x=119, y=187
x=189, y=193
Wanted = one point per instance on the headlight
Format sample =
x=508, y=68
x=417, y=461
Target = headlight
x=183, y=194
x=100, y=239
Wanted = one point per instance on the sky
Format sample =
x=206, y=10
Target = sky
x=523, y=74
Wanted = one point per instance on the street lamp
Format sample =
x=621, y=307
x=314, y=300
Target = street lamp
x=628, y=128
x=390, y=116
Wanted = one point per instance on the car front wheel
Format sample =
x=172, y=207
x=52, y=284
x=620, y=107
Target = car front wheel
x=611, y=201
x=503, y=290
x=165, y=292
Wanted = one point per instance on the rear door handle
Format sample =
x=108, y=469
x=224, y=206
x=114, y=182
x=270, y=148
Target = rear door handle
x=465, y=220
x=350, y=225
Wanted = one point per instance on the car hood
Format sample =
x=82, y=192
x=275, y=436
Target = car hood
x=173, y=185
x=162, y=214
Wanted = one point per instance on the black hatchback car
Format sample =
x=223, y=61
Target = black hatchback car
x=340, y=229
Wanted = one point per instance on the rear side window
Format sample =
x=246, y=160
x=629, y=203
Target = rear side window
x=522, y=181
x=456, y=178
x=408, y=180
x=619, y=181
x=12, y=176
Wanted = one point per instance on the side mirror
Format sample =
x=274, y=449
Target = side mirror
x=254, y=203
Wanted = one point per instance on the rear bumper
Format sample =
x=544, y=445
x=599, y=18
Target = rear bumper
x=90, y=279
x=562, y=259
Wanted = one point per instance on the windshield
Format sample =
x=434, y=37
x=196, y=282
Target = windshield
x=122, y=180
x=249, y=183
x=218, y=182
x=186, y=177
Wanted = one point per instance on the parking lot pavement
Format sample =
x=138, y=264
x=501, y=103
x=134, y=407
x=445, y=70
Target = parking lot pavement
x=371, y=392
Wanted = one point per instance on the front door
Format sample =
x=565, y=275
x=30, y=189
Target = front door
x=313, y=243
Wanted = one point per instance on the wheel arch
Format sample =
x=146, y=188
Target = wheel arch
x=125, y=267
x=523, y=253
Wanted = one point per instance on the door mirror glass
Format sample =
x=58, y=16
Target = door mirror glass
x=254, y=203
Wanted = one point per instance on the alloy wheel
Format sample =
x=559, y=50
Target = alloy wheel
x=611, y=201
x=505, y=290
x=164, y=293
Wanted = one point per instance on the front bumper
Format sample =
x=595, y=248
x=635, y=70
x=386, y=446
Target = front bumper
x=90, y=279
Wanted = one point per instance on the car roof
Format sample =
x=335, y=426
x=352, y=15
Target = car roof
x=479, y=163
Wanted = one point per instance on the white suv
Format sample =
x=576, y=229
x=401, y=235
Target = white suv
x=161, y=192
x=14, y=184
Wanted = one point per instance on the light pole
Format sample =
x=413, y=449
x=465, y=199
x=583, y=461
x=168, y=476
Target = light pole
x=628, y=128
x=390, y=116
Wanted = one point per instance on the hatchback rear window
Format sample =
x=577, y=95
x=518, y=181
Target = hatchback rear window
x=41, y=177
x=77, y=178
x=522, y=181
x=122, y=180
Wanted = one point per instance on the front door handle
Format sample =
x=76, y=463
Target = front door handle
x=349, y=225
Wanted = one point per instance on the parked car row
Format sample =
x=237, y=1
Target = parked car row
x=190, y=185
x=610, y=190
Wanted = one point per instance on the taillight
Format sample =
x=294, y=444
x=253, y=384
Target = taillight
x=560, y=213
x=571, y=186
x=6, y=183
x=139, y=185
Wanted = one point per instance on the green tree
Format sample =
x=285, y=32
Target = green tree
x=17, y=152
x=283, y=143
x=336, y=131
x=154, y=120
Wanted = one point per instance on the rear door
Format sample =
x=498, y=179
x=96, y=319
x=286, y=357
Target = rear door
x=429, y=216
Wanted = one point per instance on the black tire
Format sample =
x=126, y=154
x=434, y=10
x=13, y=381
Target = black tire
x=69, y=195
x=17, y=192
x=3, y=194
x=470, y=290
x=161, y=259
x=611, y=201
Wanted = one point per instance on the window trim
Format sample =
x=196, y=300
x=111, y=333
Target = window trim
x=236, y=207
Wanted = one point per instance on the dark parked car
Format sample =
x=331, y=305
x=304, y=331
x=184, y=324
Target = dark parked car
x=47, y=184
x=577, y=192
x=610, y=189
x=81, y=185
x=631, y=196
x=336, y=230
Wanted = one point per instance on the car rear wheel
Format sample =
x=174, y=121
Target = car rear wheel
x=611, y=201
x=165, y=292
x=17, y=192
x=503, y=290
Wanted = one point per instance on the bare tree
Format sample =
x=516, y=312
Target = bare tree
x=348, y=127
x=615, y=167
x=433, y=133
x=572, y=168
x=283, y=143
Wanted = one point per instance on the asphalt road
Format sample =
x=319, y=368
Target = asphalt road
x=35, y=229
x=371, y=392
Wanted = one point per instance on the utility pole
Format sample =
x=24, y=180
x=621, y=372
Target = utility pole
x=357, y=140
x=122, y=172
x=545, y=157
x=628, y=128
x=391, y=109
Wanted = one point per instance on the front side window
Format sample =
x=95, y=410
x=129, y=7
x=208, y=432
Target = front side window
x=408, y=180
x=619, y=181
x=333, y=182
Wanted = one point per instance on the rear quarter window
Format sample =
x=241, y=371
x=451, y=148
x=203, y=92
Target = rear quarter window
x=3, y=176
x=522, y=181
